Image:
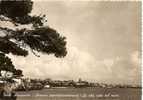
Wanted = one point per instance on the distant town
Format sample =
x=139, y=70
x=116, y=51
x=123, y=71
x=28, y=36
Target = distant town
x=37, y=84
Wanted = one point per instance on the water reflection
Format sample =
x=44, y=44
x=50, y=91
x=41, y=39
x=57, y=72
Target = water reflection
x=8, y=98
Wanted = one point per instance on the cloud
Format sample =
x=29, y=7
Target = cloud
x=136, y=58
x=127, y=70
x=81, y=64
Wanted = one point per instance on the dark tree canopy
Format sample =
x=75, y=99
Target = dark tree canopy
x=39, y=38
x=6, y=63
x=15, y=8
x=18, y=72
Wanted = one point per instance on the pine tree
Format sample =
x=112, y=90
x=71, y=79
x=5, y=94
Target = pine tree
x=19, y=40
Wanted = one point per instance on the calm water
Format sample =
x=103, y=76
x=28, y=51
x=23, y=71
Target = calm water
x=80, y=94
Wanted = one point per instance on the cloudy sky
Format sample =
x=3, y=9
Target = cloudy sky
x=103, y=42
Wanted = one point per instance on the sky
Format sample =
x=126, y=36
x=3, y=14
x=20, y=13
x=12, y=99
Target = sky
x=103, y=42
